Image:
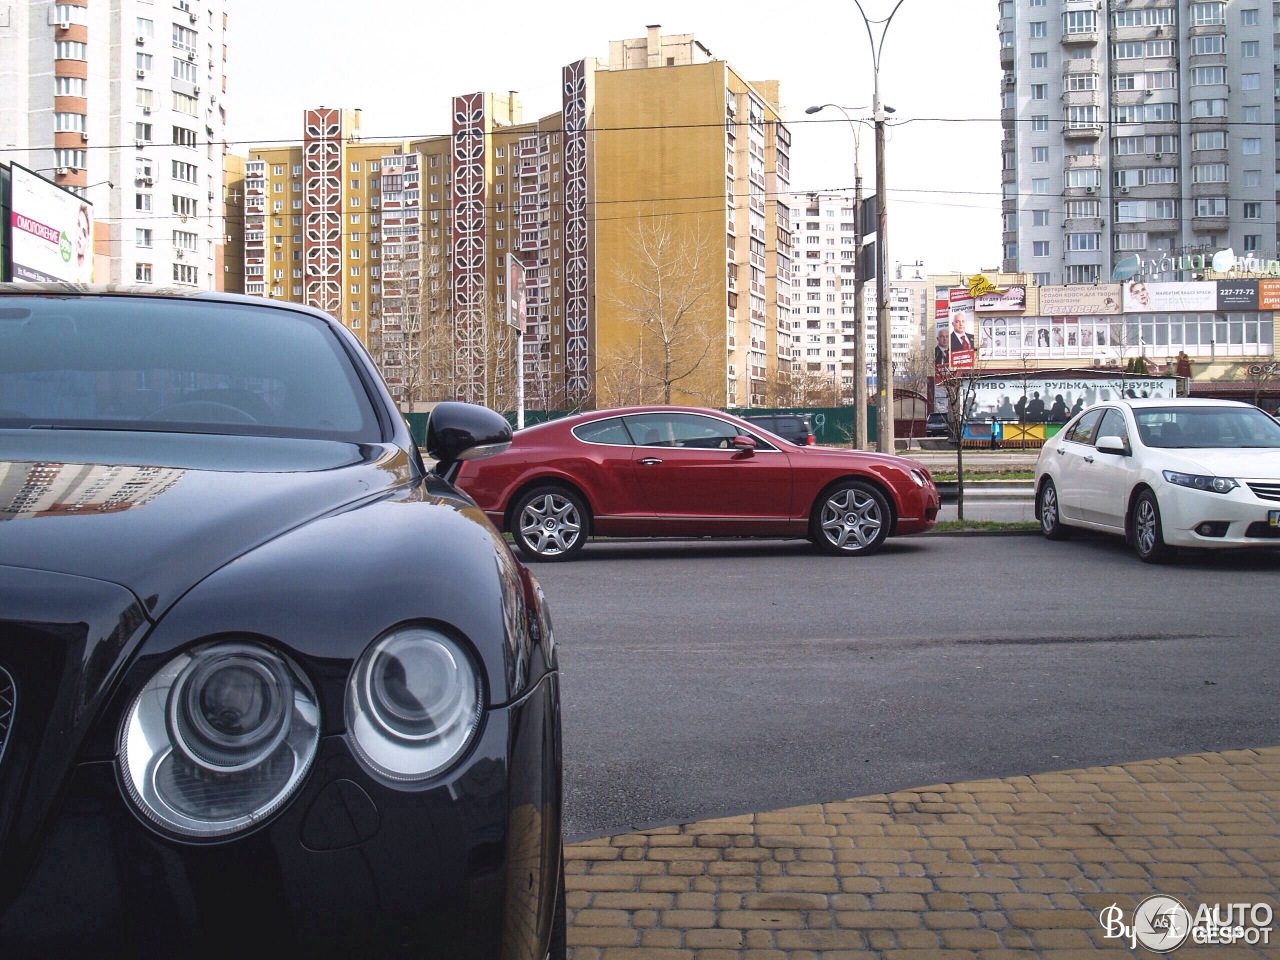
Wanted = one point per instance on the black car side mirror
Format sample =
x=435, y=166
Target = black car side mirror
x=464, y=431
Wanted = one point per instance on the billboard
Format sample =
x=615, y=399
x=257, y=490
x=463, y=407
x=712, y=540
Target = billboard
x=1056, y=399
x=964, y=355
x=1080, y=300
x=1142, y=297
x=1011, y=299
x=51, y=231
x=517, y=303
x=1237, y=294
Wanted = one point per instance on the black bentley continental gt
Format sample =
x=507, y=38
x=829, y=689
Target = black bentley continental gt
x=268, y=686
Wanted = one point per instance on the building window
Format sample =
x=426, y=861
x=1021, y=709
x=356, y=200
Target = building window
x=1039, y=123
x=1040, y=248
x=1209, y=140
x=68, y=87
x=1039, y=218
x=1249, y=18
x=1253, y=211
x=1251, y=146
x=1039, y=91
x=1039, y=28
x=1040, y=185
x=142, y=272
x=142, y=202
x=1211, y=206
x=1217, y=43
x=70, y=50
x=142, y=237
x=1206, y=14
x=1202, y=76
x=1249, y=49
x=1250, y=81
x=1252, y=242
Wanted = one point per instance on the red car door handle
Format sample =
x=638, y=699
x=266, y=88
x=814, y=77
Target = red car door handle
x=649, y=462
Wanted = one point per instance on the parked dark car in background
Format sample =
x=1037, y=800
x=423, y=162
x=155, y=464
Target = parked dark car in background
x=268, y=687
x=938, y=426
x=688, y=472
x=796, y=428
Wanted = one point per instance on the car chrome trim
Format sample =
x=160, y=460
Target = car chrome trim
x=8, y=704
x=1265, y=490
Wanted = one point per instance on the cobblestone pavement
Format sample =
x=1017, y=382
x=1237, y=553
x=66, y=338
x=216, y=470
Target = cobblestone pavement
x=988, y=869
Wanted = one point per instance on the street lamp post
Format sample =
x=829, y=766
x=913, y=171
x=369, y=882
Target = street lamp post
x=859, y=439
x=884, y=339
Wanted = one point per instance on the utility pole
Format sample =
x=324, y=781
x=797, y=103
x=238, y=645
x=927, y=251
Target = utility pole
x=884, y=326
x=884, y=338
x=860, y=438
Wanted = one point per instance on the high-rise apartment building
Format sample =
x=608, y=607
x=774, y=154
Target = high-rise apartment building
x=412, y=243
x=1136, y=127
x=824, y=297
x=122, y=102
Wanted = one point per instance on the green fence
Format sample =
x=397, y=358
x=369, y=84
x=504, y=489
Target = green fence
x=832, y=426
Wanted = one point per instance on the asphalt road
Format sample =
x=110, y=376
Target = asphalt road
x=716, y=678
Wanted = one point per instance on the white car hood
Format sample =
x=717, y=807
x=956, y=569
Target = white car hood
x=1262, y=464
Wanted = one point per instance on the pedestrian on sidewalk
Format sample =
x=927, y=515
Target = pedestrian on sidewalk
x=997, y=433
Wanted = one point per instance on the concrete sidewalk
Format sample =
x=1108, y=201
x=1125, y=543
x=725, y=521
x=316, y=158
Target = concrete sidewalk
x=983, y=870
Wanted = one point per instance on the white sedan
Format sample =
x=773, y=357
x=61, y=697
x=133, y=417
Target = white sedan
x=1164, y=474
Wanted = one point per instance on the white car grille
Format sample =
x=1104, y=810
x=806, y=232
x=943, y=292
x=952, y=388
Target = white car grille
x=1269, y=490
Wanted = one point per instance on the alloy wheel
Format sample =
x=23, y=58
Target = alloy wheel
x=852, y=519
x=550, y=524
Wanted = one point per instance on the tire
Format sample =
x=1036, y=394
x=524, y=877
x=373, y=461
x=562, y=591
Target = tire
x=549, y=524
x=850, y=519
x=1050, y=514
x=558, y=948
x=1148, y=536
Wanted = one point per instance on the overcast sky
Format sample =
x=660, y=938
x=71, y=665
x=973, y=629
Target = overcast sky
x=402, y=61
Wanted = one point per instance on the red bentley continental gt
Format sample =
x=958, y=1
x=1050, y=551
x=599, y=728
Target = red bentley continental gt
x=688, y=472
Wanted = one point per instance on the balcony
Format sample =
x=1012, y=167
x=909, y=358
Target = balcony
x=1086, y=65
x=1083, y=161
x=1080, y=37
x=1082, y=131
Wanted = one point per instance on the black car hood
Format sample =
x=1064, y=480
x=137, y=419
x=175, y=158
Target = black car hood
x=158, y=513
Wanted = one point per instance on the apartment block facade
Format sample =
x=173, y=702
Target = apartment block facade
x=123, y=102
x=1137, y=128
x=824, y=296
x=413, y=243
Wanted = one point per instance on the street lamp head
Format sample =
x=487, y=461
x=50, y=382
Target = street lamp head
x=813, y=109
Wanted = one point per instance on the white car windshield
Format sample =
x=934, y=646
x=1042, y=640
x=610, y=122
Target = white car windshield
x=1206, y=427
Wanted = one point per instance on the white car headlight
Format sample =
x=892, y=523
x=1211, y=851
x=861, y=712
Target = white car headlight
x=218, y=739
x=414, y=703
x=1198, y=482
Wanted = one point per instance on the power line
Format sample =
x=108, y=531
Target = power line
x=519, y=130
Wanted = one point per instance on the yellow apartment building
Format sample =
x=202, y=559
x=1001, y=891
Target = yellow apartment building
x=413, y=244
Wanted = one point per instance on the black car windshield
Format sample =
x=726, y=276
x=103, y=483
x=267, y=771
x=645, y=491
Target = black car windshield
x=177, y=366
x=1206, y=427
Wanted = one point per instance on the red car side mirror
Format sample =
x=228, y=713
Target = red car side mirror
x=745, y=445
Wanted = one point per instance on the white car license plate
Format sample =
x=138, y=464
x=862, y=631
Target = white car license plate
x=1273, y=516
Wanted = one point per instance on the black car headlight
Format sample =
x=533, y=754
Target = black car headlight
x=414, y=703
x=218, y=739
x=1198, y=482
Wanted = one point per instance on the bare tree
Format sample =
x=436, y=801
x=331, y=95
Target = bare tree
x=1259, y=376
x=960, y=386
x=914, y=374
x=668, y=292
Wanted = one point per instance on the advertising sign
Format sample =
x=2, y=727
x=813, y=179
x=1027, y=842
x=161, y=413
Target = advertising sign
x=1269, y=294
x=51, y=236
x=1237, y=294
x=942, y=322
x=1142, y=297
x=1080, y=300
x=517, y=310
x=1009, y=300
x=963, y=353
x=1037, y=399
